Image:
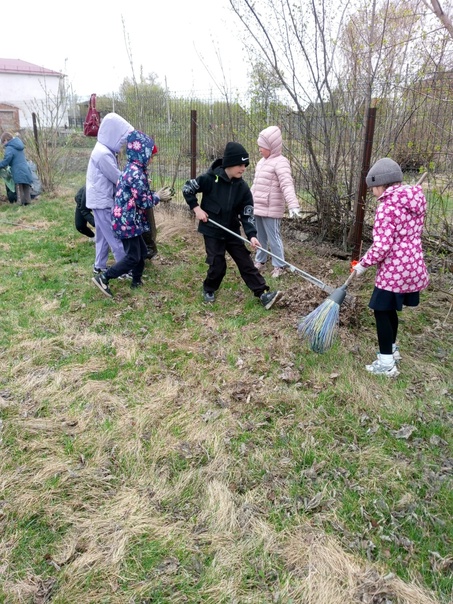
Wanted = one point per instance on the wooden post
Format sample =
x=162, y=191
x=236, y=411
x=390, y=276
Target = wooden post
x=35, y=132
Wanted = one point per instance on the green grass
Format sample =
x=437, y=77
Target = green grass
x=155, y=449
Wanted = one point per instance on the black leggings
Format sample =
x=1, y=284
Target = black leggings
x=387, y=329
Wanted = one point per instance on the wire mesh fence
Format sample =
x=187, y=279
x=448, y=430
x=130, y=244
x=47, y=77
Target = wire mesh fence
x=324, y=143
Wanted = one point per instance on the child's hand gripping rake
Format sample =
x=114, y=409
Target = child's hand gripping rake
x=320, y=326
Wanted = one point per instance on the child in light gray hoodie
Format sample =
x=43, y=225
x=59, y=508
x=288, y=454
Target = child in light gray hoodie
x=102, y=175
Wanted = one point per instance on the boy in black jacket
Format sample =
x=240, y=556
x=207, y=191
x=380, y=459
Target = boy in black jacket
x=227, y=199
x=83, y=216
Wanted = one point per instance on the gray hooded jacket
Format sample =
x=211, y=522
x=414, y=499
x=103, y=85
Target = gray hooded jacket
x=103, y=171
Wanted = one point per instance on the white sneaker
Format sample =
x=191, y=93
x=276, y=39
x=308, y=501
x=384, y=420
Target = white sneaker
x=396, y=353
x=277, y=272
x=259, y=265
x=378, y=368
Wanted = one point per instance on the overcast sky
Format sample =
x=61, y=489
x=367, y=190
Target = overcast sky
x=86, y=41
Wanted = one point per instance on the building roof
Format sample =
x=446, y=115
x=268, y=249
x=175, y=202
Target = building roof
x=22, y=67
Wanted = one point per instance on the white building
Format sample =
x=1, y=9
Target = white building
x=26, y=90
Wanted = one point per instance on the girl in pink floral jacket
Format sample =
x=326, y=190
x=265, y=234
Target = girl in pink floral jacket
x=397, y=253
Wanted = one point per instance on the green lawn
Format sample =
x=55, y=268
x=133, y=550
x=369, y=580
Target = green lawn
x=157, y=450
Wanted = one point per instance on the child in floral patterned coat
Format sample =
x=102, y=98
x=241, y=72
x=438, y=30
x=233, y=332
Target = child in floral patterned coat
x=397, y=253
x=132, y=200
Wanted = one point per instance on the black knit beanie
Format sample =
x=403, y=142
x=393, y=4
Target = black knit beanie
x=234, y=155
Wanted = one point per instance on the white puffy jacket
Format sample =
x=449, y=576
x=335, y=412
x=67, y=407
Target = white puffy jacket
x=273, y=185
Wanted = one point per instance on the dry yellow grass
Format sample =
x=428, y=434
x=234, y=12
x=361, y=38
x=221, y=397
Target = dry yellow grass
x=155, y=454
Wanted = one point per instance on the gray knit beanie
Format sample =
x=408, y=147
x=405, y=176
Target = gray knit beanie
x=384, y=172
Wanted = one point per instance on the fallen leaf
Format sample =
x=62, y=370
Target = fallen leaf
x=405, y=432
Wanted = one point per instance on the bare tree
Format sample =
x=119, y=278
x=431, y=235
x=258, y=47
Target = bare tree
x=263, y=89
x=220, y=81
x=332, y=60
x=299, y=44
x=47, y=142
x=435, y=6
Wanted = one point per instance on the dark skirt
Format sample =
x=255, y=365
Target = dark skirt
x=381, y=299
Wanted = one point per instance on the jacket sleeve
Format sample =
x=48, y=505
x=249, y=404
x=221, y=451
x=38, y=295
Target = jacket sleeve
x=383, y=236
x=7, y=158
x=87, y=214
x=146, y=198
x=80, y=200
x=193, y=187
x=247, y=218
x=109, y=168
x=286, y=182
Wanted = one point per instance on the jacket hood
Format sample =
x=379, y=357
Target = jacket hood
x=218, y=169
x=409, y=197
x=139, y=148
x=113, y=131
x=216, y=164
x=271, y=138
x=16, y=143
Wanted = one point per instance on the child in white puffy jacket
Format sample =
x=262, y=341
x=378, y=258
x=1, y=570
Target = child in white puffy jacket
x=272, y=190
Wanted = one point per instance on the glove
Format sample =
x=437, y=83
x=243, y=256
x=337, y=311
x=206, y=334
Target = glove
x=359, y=269
x=166, y=193
x=294, y=213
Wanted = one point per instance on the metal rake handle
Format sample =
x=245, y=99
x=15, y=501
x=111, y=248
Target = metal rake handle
x=291, y=267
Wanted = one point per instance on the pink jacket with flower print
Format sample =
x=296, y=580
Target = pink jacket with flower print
x=397, y=246
x=273, y=185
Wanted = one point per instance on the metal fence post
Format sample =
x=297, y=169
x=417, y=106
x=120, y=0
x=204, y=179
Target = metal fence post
x=193, y=143
x=356, y=232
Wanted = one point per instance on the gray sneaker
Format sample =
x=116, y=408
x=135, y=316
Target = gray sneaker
x=103, y=284
x=378, y=368
x=208, y=297
x=268, y=299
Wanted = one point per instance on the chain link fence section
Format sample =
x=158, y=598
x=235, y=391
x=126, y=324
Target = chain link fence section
x=324, y=145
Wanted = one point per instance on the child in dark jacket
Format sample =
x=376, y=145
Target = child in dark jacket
x=133, y=198
x=83, y=216
x=227, y=199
